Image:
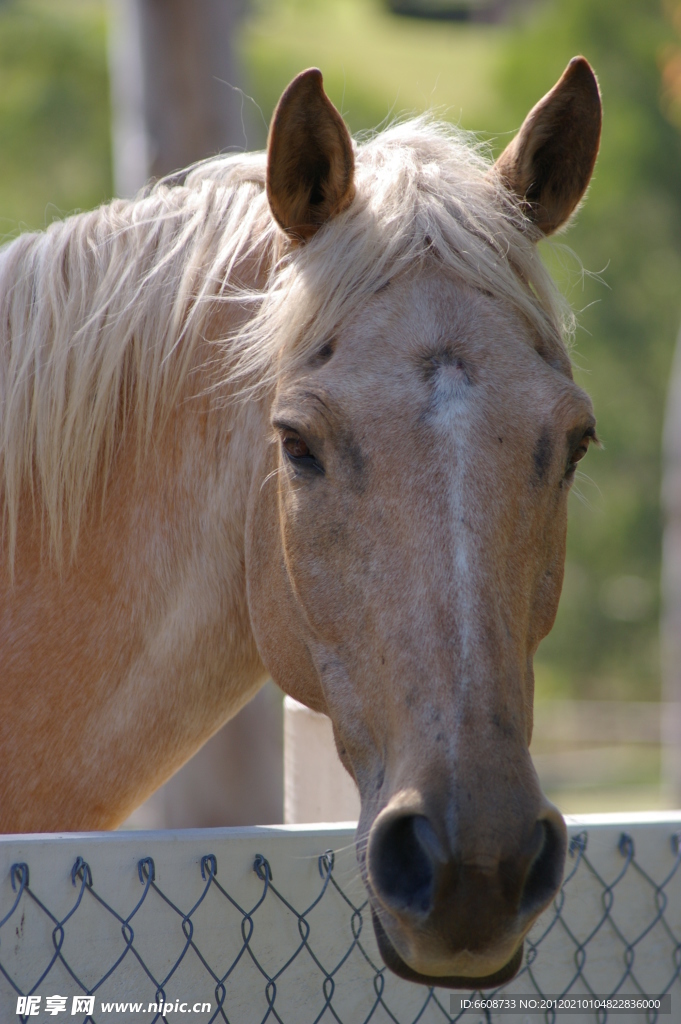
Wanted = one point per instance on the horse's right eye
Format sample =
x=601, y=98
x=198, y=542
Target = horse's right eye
x=295, y=447
x=298, y=453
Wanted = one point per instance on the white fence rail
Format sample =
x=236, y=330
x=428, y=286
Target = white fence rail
x=266, y=924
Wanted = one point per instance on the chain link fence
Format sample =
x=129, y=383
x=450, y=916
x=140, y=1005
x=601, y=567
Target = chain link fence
x=132, y=935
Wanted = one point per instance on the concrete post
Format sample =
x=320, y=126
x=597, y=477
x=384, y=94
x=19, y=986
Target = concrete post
x=316, y=785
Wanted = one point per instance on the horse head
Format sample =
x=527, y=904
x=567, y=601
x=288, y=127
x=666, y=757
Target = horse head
x=407, y=524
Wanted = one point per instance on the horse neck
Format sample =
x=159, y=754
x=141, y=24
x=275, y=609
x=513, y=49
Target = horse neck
x=193, y=490
x=147, y=619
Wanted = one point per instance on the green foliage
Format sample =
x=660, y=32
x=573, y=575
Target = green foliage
x=54, y=111
x=605, y=639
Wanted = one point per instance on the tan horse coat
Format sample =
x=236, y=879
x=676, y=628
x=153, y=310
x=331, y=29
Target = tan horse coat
x=340, y=452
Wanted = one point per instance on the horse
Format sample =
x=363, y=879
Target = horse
x=307, y=413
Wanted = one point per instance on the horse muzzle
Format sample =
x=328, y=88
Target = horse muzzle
x=445, y=915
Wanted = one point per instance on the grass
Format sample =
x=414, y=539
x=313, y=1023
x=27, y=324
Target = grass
x=604, y=799
x=376, y=65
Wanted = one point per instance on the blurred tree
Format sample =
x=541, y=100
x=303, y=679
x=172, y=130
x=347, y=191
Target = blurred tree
x=605, y=642
x=174, y=85
x=175, y=101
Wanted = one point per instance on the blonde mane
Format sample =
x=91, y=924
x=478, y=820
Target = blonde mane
x=101, y=315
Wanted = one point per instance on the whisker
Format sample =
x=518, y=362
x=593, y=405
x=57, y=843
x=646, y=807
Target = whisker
x=269, y=476
x=581, y=497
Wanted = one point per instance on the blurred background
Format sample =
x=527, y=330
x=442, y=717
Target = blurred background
x=97, y=96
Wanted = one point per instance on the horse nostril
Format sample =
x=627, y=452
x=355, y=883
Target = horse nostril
x=546, y=871
x=401, y=867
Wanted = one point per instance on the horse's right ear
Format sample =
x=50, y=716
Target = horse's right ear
x=310, y=163
x=550, y=161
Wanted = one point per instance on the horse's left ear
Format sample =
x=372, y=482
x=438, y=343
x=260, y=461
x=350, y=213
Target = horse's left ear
x=550, y=161
x=310, y=163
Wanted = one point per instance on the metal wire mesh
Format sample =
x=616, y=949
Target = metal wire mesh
x=605, y=923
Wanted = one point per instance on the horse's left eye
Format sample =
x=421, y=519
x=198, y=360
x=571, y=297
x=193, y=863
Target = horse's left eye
x=579, y=454
x=581, y=450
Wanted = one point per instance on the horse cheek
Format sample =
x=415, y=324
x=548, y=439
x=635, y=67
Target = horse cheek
x=278, y=626
x=547, y=592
